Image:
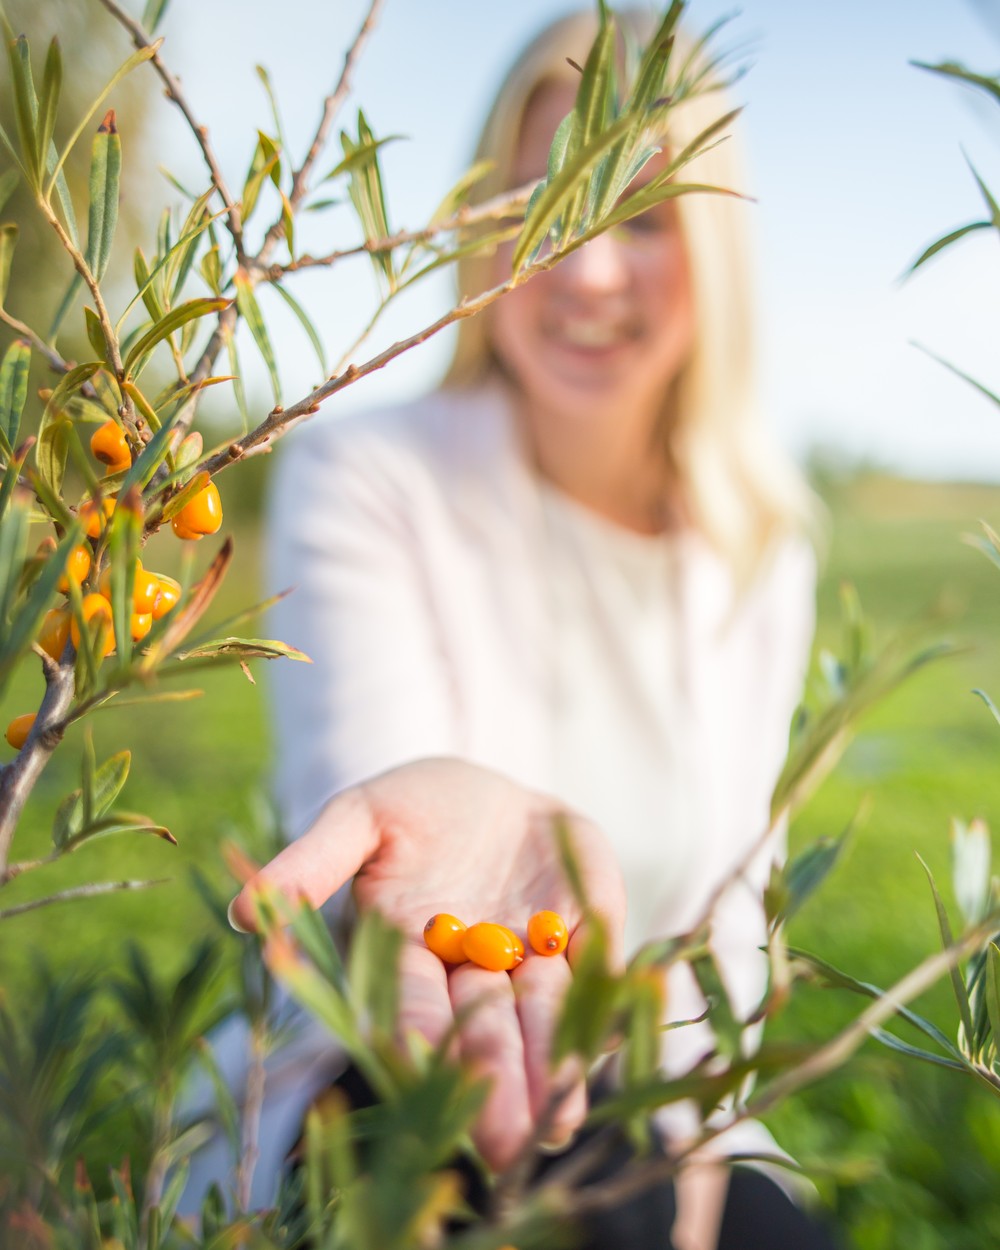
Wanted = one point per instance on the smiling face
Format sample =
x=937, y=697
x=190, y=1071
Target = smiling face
x=603, y=334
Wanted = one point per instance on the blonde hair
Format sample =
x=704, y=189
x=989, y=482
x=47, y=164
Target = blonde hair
x=738, y=488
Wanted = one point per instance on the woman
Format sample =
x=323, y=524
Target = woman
x=577, y=570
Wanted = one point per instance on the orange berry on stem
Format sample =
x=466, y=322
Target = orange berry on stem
x=140, y=623
x=547, y=933
x=168, y=596
x=95, y=518
x=109, y=445
x=144, y=590
x=54, y=633
x=77, y=568
x=490, y=946
x=97, y=614
x=443, y=935
x=200, y=516
x=18, y=730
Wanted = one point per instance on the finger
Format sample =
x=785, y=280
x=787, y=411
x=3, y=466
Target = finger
x=424, y=1002
x=490, y=1041
x=315, y=866
x=557, y=1096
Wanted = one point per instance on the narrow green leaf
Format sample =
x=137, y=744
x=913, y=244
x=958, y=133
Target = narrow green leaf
x=265, y=78
x=957, y=984
x=48, y=104
x=946, y=241
x=264, y=163
x=305, y=323
x=137, y=58
x=149, y=459
x=13, y=389
x=249, y=309
x=373, y=973
x=836, y=979
x=153, y=14
x=246, y=649
x=993, y=991
x=8, y=239
x=68, y=819
x=557, y=194
x=95, y=334
x=952, y=69
x=124, y=537
x=26, y=109
x=358, y=155
x=173, y=320
x=592, y=112
x=915, y=1052
x=809, y=869
x=105, y=176
x=959, y=373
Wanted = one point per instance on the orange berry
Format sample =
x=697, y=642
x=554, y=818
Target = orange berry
x=168, y=596
x=109, y=445
x=490, y=946
x=200, y=516
x=144, y=587
x=54, y=634
x=144, y=590
x=443, y=934
x=97, y=614
x=18, y=730
x=77, y=568
x=547, y=933
x=95, y=518
x=518, y=946
x=140, y=623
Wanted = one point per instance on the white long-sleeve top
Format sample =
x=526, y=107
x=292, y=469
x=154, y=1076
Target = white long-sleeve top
x=454, y=604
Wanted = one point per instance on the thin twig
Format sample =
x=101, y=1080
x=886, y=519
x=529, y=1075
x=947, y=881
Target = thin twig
x=819, y=1063
x=175, y=93
x=508, y=204
x=279, y=420
x=25, y=331
x=81, y=891
x=253, y=1105
x=331, y=107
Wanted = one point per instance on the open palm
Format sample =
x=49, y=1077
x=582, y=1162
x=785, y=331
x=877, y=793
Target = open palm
x=444, y=835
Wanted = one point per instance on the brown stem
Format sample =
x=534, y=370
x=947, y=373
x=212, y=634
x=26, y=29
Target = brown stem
x=83, y=269
x=253, y=1104
x=17, y=779
x=331, y=107
x=507, y=205
x=80, y=891
x=175, y=93
x=279, y=420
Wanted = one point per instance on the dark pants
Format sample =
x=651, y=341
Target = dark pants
x=758, y=1214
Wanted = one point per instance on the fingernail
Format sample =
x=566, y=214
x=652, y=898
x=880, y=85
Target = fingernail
x=231, y=917
x=556, y=1146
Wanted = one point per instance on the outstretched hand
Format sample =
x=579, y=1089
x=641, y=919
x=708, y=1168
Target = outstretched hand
x=444, y=835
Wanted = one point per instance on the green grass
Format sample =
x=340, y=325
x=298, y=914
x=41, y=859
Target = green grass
x=925, y=1144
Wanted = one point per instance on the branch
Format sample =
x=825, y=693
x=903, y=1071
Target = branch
x=331, y=107
x=56, y=361
x=18, y=778
x=507, y=204
x=80, y=891
x=279, y=420
x=175, y=93
x=603, y=1195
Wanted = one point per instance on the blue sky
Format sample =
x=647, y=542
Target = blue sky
x=856, y=164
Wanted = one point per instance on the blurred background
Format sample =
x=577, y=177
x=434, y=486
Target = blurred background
x=858, y=161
